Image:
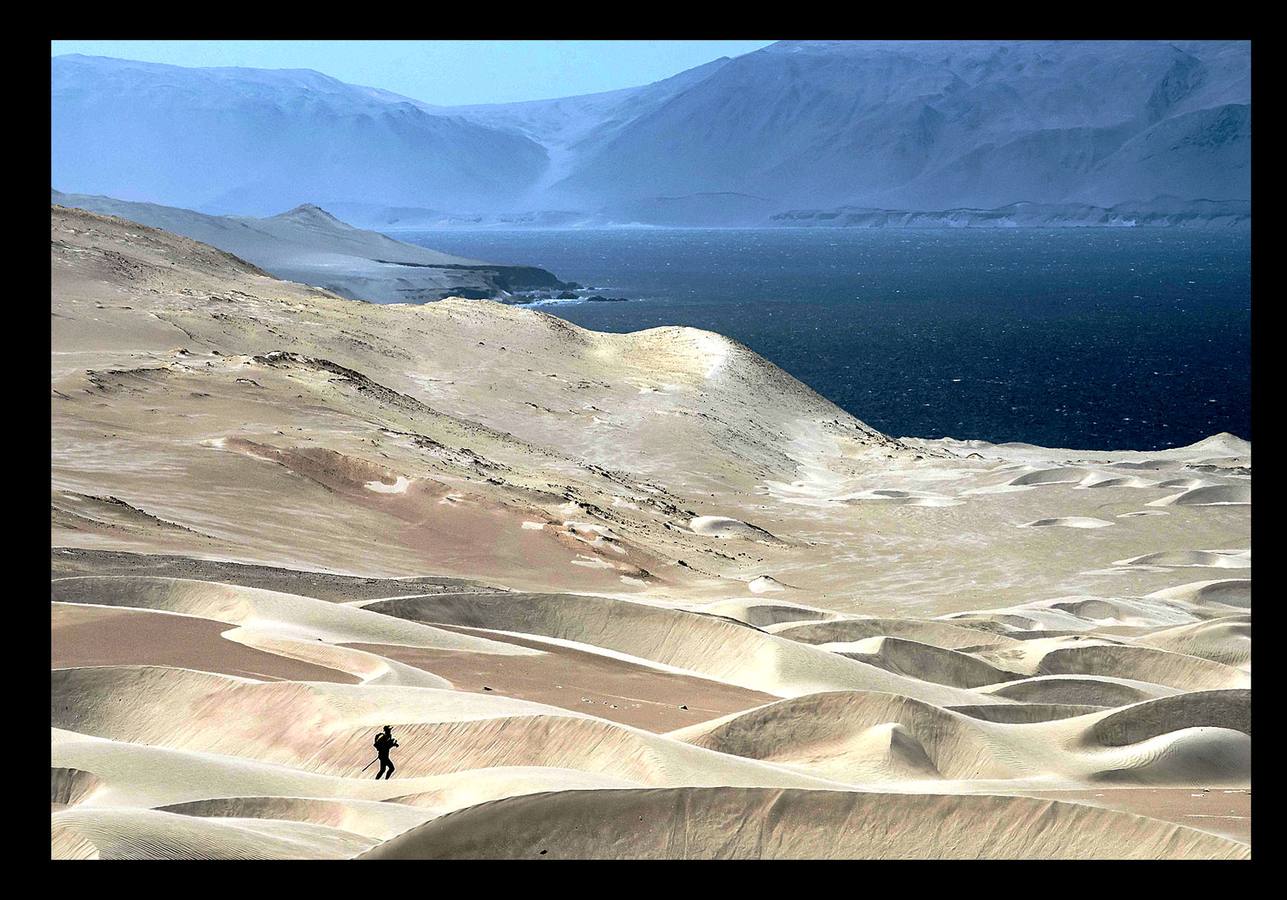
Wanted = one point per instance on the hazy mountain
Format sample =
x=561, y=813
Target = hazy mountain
x=309, y=245
x=257, y=141
x=939, y=124
x=917, y=126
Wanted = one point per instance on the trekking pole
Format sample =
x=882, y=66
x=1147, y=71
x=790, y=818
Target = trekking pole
x=368, y=765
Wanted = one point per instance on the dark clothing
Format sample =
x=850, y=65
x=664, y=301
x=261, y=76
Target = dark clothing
x=383, y=744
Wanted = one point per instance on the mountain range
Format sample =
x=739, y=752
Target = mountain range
x=913, y=126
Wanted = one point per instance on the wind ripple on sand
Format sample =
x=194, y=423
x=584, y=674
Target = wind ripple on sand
x=733, y=823
x=150, y=834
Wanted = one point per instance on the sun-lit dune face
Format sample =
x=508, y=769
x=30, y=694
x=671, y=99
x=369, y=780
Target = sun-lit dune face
x=846, y=736
x=733, y=823
x=617, y=595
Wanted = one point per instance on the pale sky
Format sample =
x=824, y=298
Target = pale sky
x=449, y=73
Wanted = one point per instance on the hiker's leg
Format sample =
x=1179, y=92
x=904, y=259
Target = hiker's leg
x=390, y=775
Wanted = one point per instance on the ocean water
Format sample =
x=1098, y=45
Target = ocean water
x=1110, y=338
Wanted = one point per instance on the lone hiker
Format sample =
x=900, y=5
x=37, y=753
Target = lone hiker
x=384, y=742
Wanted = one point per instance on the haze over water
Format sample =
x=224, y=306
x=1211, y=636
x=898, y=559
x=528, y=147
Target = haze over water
x=1084, y=338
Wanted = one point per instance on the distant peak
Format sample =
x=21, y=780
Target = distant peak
x=310, y=213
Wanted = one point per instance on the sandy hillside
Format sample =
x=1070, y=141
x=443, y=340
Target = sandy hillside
x=310, y=245
x=648, y=581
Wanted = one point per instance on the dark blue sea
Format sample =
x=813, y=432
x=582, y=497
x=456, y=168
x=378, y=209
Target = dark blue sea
x=1109, y=338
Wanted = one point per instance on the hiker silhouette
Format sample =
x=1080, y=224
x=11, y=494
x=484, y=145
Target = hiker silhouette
x=384, y=742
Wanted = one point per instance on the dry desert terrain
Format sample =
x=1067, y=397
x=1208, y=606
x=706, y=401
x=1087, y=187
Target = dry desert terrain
x=619, y=595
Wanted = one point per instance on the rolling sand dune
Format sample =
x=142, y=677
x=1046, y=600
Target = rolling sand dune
x=923, y=661
x=689, y=642
x=369, y=818
x=732, y=823
x=938, y=634
x=763, y=615
x=283, y=614
x=104, y=636
x=1218, y=559
x=1076, y=655
x=1074, y=689
x=1084, y=614
x=118, y=774
x=620, y=690
x=1062, y=475
x=1068, y=522
x=618, y=595
x=864, y=737
x=1225, y=640
x=1209, y=495
x=150, y=834
x=1235, y=593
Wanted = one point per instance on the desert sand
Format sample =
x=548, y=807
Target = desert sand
x=618, y=595
x=310, y=245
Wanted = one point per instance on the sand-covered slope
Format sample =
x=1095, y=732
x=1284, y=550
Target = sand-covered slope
x=646, y=581
x=760, y=823
x=309, y=245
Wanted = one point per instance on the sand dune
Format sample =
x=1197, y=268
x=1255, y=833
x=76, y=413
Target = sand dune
x=1225, y=640
x=762, y=614
x=285, y=615
x=846, y=737
x=731, y=823
x=443, y=731
x=1234, y=592
x=1025, y=713
x=1083, y=614
x=126, y=774
x=1061, y=475
x=1141, y=721
x=619, y=689
x=618, y=595
x=1068, y=522
x=96, y=636
x=1209, y=495
x=150, y=834
x=725, y=527
x=765, y=584
x=69, y=786
x=689, y=642
x=1219, y=559
x=1074, y=689
x=1076, y=655
x=115, y=774
x=928, y=631
x=369, y=818
x=923, y=661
